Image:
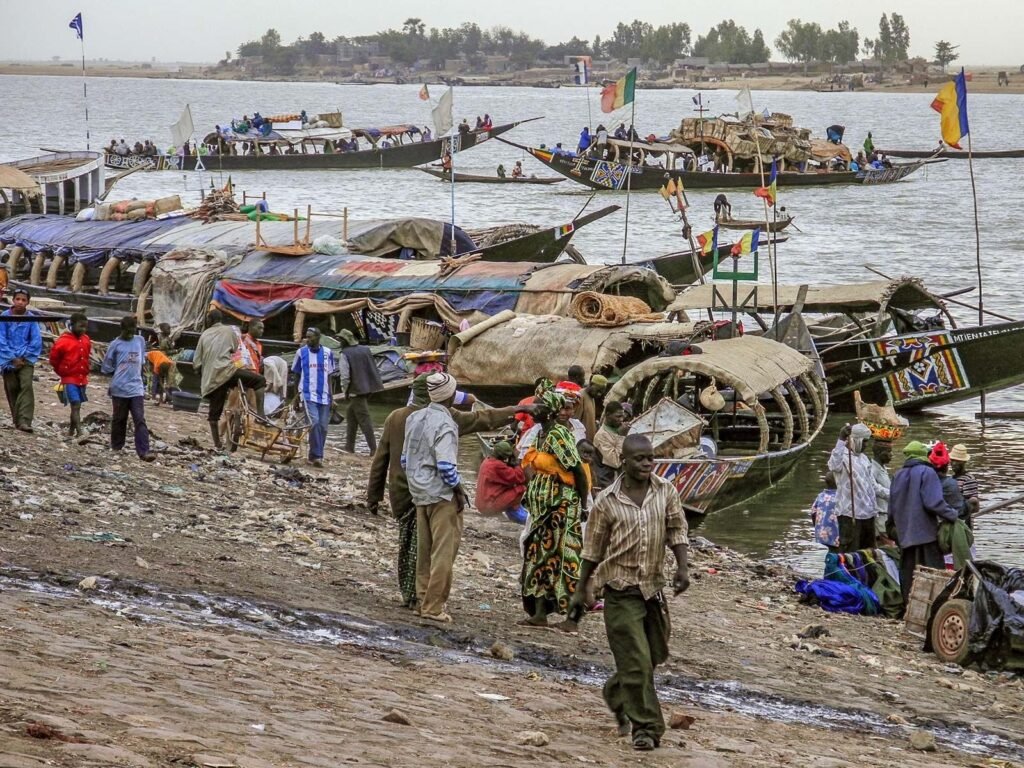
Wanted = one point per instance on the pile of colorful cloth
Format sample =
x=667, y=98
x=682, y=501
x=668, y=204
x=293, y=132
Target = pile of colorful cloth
x=866, y=582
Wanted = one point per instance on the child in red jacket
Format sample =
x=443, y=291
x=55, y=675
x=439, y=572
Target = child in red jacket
x=69, y=358
x=501, y=485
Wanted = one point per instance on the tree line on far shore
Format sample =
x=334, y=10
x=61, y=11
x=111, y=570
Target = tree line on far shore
x=659, y=46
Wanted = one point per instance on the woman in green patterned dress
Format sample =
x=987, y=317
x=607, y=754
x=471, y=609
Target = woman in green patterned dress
x=557, y=484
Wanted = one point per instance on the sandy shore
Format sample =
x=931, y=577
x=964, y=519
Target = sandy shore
x=984, y=78
x=245, y=616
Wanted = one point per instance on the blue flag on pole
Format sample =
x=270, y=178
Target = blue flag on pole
x=76, y=24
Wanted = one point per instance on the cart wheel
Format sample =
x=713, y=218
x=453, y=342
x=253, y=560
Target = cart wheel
x=950, y=630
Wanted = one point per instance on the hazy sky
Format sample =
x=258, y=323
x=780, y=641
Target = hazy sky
x=202, y=30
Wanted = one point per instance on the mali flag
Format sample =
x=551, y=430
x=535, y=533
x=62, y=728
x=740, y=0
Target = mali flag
x=708, y=241
x=620, y=93
x=951, y=104
x=770, y=192
x=747, y=243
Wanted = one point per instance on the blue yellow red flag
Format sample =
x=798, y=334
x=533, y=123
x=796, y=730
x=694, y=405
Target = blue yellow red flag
x=951, y=104
x=708, y=241
x=748, y=243
x=770, y=193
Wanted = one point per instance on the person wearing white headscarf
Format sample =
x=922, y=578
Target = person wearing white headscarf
x=429, y=457
x=856, y=489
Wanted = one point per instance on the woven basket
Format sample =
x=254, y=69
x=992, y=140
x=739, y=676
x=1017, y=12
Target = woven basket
x=427, y=334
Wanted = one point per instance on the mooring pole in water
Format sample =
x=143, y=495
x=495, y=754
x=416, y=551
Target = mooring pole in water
x=629, y=175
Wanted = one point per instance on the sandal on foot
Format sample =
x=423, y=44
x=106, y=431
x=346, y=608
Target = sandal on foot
x=531, y=624
x=622, y=725
x=644, y=743
x=440, y=618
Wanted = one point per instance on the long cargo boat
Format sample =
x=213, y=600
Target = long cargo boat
x=404, y=151
x=876, y=338
x=612, y=175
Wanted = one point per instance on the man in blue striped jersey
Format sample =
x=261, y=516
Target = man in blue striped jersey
x=311, y=379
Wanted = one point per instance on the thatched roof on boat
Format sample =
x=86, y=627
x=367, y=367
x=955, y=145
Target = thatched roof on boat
x=514, y=350
x=749, y=364
x=15, y=178
x=905, y=293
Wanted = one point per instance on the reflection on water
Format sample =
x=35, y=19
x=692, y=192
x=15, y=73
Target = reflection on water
x=921, y=226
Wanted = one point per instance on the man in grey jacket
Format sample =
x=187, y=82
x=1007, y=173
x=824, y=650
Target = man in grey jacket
x=916, y=506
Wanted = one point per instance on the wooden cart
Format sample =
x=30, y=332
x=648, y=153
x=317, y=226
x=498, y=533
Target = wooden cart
x=280, y=436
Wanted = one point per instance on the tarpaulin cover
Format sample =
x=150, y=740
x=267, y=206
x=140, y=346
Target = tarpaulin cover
x=183, y=283
x=997, y=621
x=258, y=299
x=91, y=242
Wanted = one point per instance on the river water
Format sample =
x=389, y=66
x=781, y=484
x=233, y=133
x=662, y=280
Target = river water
x=923, y=226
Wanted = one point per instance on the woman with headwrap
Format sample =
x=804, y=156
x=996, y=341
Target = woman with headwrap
x=856, y=489
x=557, y=484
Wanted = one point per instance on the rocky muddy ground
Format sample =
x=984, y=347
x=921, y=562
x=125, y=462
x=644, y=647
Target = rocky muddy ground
x=216, y=610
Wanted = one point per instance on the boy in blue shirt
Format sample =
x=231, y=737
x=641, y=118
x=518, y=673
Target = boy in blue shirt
x=123, y=361
x=21, y=344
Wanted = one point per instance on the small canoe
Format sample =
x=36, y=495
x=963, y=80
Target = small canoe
x=474, y=179
x=773, y=226
x=955, y=154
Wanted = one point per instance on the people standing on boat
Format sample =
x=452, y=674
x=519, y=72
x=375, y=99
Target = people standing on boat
x=633, y=522
x=557, y=488
x=916, y=506
x=426, y=135
x=430, y=453
x=881, y=456
x=360, y=379
x=824, y=517
x=446, y=163
x=517, y=170
x=21, y=345
x=123, y=362
x=479, y=123
x=585, y=140
x=855, y=485
x=464, y=126
x=217, y=360
x=311, y=375
x=488, y=123
x=723, y=208
x=601, y=146
x=501, y=171
x=958, y=460
x=69, y=358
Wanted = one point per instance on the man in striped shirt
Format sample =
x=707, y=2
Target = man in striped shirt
x=429, y=455
x=958, y=458
x=311, y=377
x=631, y=524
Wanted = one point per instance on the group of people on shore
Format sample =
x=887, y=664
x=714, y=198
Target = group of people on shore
x=863, y=507
x=592, y=520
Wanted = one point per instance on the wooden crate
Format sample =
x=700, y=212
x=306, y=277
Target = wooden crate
x=928, y=583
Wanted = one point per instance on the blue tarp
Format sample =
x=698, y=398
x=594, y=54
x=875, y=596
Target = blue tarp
x=91, y=242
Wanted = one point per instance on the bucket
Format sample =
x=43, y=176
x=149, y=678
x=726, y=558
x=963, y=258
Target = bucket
x=427, y=334
x=185, y=401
